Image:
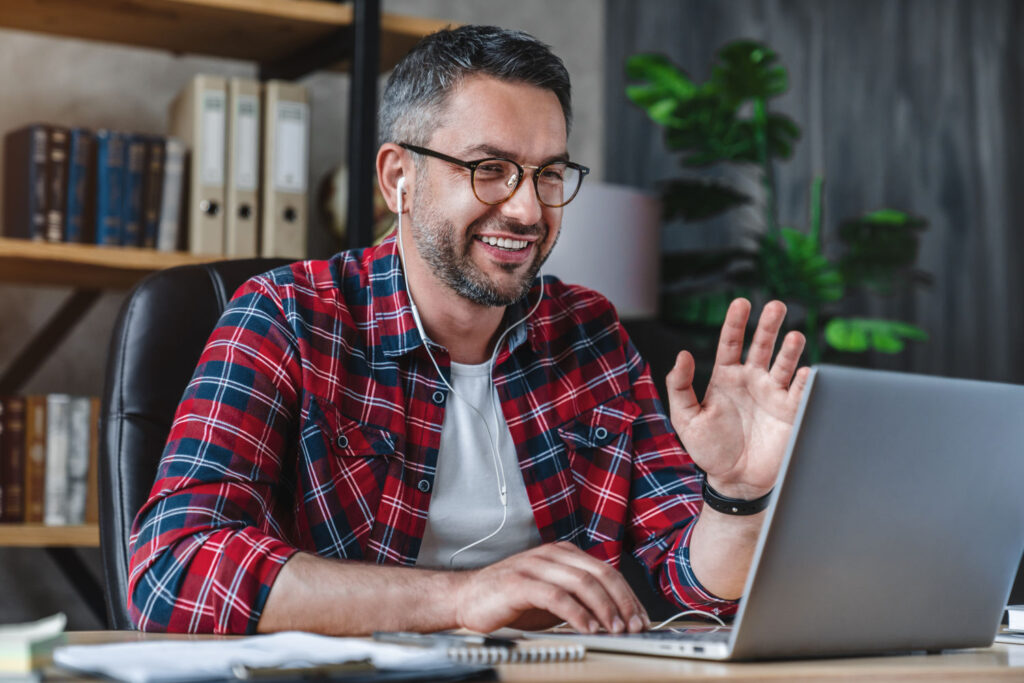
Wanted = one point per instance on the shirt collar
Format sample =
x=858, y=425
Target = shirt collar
x=393, y=311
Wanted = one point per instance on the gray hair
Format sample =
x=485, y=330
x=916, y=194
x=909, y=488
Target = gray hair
x=418, y=88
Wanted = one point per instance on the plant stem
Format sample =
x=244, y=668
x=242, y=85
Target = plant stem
x=816, y=210
x=768, y=174
x=813, y=350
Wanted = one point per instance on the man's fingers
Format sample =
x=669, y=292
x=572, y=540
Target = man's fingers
x=586, y=589
x=730, y=342
x=606, y=592
x=787, y=359
x=683, y=405
x=796, y=389
x=561, y=603
x=763, y=344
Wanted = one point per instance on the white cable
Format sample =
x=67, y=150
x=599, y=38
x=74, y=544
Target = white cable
x=499, y=469
x=668, y=621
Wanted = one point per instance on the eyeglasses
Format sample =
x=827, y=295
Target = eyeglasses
x=495, y=180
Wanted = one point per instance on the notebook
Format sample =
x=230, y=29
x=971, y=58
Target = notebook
x=896, y=525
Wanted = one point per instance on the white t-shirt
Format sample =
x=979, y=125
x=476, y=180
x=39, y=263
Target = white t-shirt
x=465, y=506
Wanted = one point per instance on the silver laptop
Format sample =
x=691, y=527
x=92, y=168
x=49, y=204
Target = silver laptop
x=897, y=525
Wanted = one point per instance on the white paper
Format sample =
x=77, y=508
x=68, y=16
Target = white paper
x=197, y=660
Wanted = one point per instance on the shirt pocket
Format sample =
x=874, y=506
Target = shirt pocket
x=342, y=473
x=599, y=444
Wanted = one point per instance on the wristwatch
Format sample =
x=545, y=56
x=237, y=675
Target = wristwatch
x=731, y=506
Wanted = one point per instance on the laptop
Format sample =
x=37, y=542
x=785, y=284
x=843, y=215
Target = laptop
x=897, y=525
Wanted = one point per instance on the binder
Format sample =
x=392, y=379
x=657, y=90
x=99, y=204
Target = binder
x=285, y=170
x=241, y=194
x=197, y=116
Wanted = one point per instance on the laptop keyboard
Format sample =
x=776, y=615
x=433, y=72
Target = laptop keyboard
x=699, y=634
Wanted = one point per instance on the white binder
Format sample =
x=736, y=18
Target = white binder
x=285, y=170
x=198, y=117
x=241, y=195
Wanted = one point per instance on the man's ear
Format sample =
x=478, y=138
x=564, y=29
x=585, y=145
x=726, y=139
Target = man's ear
x=393, y=163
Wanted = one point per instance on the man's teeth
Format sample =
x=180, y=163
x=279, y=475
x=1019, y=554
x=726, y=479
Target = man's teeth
x=504, y=243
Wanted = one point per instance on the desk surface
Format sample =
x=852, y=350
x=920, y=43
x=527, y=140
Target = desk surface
x=997, y=663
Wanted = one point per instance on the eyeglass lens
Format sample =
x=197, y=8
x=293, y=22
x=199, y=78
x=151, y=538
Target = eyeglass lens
x=494, y=181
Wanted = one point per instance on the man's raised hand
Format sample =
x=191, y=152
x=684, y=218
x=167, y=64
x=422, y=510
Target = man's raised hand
x=738, y=434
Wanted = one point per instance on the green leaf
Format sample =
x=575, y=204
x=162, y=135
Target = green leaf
x=879, y=246
x=797, y=270
x=746, y=71
x=863, y=334
x=696, y=199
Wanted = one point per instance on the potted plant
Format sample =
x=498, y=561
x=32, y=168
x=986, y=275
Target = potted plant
x=727, y=120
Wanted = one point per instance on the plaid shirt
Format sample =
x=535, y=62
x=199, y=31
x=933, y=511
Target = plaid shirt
x=313, y=422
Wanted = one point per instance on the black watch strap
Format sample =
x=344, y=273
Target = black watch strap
x=731, y=506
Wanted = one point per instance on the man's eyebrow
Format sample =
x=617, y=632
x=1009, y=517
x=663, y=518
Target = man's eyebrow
x=491, y=151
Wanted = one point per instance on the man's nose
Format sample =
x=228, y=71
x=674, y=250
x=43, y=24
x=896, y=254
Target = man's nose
x=524, y=206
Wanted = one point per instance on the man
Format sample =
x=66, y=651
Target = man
x=358, y=428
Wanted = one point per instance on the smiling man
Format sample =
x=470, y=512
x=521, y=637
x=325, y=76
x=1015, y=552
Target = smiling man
x=426, y=434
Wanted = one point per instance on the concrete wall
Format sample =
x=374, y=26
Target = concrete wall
x=74, y=82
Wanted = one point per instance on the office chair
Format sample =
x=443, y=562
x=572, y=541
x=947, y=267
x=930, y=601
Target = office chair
x=157, y=339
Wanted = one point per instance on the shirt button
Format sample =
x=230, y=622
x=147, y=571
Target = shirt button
x=438, y=397
x=423, y=485
x=342, y=441
x=600, y=433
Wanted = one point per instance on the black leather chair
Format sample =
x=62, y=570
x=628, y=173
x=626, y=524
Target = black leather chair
x=159, y=334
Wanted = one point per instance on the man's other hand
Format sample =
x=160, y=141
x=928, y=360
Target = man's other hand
x=542, y=586
x=738, y=435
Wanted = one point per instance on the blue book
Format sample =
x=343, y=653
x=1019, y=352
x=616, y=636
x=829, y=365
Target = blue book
x=109, y=186
x=134, y=186
x=80, y=212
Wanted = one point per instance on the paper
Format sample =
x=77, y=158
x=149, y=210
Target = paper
x=24, y=647
x=158, y=661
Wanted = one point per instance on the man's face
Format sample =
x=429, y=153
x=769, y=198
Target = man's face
x=459, y=236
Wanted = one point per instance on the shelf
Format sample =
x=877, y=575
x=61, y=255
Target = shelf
x=85, y=265
x=263, y=31
x=39, y=536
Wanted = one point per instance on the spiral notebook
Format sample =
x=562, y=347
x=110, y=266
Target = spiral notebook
x=521, y=652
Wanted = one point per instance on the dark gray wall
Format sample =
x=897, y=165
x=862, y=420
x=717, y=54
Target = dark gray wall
x=912, y=104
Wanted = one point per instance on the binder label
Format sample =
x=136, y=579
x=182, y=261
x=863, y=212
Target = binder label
x=247, y=116
x=290, y=148
x=212, y=145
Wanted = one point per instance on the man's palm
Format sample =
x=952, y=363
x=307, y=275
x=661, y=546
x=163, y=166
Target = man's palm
x=739, y=433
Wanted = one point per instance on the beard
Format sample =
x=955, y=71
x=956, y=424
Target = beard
x=438, y=244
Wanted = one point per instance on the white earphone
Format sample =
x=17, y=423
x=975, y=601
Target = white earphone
x=499, y=469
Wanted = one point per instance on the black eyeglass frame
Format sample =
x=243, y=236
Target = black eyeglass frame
x=472, y=166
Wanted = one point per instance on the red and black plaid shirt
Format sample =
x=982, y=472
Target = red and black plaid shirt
x=313, y=423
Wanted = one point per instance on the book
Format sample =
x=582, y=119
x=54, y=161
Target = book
x=35, y=458
x=109, y=186
x=58, y=425
x=132, y=195
x=78, y=459
x=12, y=459
x=92, y=494
x=79, y=210
x=152, y=188
x=27, y=647
x=169, y=232
x=56, y=182
x=25, y=182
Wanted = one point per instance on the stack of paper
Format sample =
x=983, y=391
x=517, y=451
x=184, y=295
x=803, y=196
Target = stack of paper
x=161, y=661
x=1014, y=631
x=27, y=647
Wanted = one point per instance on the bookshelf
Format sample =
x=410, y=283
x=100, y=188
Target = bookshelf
x=287, y=39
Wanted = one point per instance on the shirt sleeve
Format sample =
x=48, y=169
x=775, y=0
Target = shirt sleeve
x=665, y=495
x=206, y=547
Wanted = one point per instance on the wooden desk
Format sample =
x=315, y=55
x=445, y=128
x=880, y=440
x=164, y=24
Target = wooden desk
x=997, y=663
